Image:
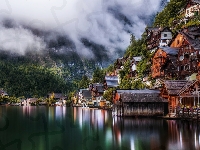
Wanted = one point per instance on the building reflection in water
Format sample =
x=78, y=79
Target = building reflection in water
x=113, y=132
x=117, y=130
x=60, y=112
x=138, y=133
x=183, y=134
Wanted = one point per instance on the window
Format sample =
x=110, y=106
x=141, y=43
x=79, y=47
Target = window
x=165, y=35
x=182, y=68
x=187, y=67
x=177, y=42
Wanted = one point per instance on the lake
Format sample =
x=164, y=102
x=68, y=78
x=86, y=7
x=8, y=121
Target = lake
x=63, y=128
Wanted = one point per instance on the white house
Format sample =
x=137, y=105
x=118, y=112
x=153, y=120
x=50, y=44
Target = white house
x=192, y=8
x=30, y=102
x=166, y=36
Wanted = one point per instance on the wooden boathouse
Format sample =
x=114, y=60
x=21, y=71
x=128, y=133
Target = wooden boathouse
x=141, y=103
x=181, y=93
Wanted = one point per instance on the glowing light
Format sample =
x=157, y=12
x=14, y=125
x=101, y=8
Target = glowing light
x=195, y=139
x=181, y=140
x=109, y=135
x=132, y=143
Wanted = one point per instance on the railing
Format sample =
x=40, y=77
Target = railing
x=192, y=113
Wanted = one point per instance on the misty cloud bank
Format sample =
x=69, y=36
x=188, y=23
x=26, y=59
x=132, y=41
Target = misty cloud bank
x=88, y=27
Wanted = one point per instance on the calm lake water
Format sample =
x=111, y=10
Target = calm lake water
x=63, y=128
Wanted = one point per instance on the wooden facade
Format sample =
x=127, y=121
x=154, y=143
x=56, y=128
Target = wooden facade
x=142, y=103
x=157, y=37
x=164, y=63
x=181, y=59
x=153, y=37
x=180, y=93
x=188, y=43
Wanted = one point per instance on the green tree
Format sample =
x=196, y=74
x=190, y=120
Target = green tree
x=137, y=84
x=125, y=83
x=98, y=75
x=29, y=80
x=110, y=69
x=84, y=83
x=108, y=95
x=136, y=48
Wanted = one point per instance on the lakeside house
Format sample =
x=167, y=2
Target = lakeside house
x=181, y=92
x=60, y=98
x=140, y=103
x=85, y=96
x=97, y=90
x=30, y=102
x=176, y=57
x=3, y=93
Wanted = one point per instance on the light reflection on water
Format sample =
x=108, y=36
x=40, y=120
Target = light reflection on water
x=44, y=128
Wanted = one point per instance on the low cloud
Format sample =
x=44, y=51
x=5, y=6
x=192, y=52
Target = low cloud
x=106, y=23
x=19, y=40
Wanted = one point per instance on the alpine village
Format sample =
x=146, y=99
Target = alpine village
x=159, y=74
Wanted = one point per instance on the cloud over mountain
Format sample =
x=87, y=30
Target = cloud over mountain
x=88, y=27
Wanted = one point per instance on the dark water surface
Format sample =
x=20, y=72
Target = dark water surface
x=63, y=128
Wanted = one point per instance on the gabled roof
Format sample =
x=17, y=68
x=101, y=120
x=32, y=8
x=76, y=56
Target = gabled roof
x=166, y=29
x=98, y=86
x=196, y=1
x=170, y=50
x=194, y=42
x=174, y=87
x=86, y=93
x=139, y=91
x=145, y=95
x=112, y=81
x=137, y=58
x=191, y=34
x=189, y=84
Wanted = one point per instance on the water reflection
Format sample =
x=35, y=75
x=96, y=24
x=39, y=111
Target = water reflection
x=44, y=128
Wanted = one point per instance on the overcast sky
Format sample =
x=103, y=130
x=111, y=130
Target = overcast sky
x=99, y=21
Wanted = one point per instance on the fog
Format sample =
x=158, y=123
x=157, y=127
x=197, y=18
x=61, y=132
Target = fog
x=101, y=22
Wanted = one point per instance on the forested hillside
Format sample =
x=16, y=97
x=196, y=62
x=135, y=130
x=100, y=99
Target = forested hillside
x=38, y=74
